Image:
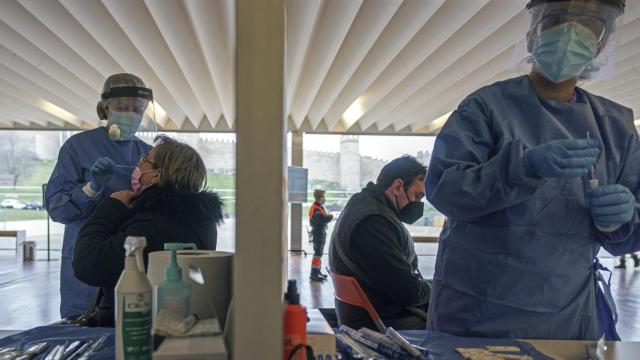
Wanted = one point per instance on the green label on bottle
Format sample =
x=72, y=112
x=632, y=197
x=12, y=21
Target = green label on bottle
x=136, y=326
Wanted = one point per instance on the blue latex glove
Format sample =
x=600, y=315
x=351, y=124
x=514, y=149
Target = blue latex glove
x=612, y=206
x=101, y=172
x=561, y=158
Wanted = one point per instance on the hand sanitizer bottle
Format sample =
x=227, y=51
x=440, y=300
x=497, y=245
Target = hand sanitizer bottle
x=173, y=293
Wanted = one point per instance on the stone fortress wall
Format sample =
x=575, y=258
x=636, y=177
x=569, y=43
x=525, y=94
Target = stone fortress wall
x=219, y=157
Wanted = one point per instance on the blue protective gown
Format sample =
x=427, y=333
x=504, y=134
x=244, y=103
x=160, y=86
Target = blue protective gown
x=516, y=255
x=67, y=203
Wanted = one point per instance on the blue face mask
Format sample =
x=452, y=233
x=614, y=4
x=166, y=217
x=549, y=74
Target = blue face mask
x=123, y=125
x=563, y=52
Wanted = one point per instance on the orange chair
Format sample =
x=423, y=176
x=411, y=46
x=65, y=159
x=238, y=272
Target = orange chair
x=349, y=291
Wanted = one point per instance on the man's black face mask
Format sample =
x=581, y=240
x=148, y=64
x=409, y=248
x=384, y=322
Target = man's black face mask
x=412, y=211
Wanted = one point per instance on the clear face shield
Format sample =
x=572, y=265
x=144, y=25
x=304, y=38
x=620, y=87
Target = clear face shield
x=130, y=110
x=130, y=116
x=570, y=39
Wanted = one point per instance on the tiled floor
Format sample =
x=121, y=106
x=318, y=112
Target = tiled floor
x=29, y=291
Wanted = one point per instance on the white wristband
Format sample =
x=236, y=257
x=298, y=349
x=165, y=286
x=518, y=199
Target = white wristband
x=89, y=191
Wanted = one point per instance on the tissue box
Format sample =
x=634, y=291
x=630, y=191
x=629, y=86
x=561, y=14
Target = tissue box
x=193, y=348
x=320, y=336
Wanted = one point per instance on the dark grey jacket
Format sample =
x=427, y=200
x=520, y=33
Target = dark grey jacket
x=379, y=253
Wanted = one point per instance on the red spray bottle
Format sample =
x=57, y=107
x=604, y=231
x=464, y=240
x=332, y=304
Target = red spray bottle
x=295, y=323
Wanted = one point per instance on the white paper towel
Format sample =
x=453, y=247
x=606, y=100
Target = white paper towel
x=216, y=267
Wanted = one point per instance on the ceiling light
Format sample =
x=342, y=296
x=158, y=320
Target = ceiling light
x=353, y=113
x=59, y=112
x=155, y=111
x=437, y=123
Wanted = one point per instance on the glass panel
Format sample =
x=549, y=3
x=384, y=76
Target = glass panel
x=27, y=159
x=343, y=165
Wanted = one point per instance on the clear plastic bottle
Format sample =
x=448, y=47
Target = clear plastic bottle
x=173, y=293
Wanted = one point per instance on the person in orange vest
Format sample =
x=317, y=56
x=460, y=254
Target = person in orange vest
x=318, y=219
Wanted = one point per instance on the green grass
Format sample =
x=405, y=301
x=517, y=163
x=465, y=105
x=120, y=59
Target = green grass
x=20, y=215
x=218, y=181
x=230, y=206
x=21, y=191
x=42, y=171
x=39, y=174
x=224, y=182
x=33, y=195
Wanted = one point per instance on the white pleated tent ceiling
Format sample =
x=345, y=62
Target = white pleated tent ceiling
x=353, y=66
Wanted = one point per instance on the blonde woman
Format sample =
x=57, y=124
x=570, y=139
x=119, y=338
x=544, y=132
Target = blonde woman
x=167, y=203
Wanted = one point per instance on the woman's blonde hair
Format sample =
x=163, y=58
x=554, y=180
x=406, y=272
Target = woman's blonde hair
x=180, y=165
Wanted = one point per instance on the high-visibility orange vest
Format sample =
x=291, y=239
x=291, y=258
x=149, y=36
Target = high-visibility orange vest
x=315, y=207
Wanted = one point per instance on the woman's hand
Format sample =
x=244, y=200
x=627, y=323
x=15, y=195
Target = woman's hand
x=125, y=196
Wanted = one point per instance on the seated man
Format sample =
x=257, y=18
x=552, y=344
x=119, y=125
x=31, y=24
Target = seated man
x=370, y=243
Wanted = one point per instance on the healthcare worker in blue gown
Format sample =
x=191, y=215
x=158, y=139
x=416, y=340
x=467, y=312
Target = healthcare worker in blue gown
x=510, y=170
x=91, y=165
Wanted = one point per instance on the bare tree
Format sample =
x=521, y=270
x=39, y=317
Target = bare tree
x=16, y=158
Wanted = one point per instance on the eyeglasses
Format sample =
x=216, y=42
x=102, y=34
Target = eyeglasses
x=143, y=159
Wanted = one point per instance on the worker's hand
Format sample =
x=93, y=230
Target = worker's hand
x=561, y=158
x=612, y=206
x=101, y=172
x=125, y=196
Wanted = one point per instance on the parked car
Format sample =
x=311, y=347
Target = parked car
x=12, y=204
x=35, y=205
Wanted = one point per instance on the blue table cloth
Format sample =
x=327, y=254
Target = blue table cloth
x=59, y=334
x=442, y=346
x=438, y=345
